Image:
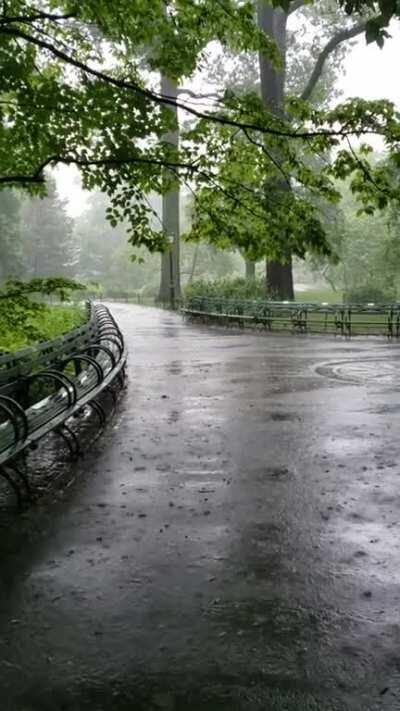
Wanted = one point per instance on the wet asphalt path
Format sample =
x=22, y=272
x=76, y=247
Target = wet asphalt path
x=231, y=544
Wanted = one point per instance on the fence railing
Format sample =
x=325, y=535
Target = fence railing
x=339, y=319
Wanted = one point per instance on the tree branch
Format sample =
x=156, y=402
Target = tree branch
x=174, y=167
x=193, y=95
x=367, y=174
x=296, y=5
x=330, y=47
x=38, y=177
x=269, y=156
x=21, y=179
x=4, y=20
x=160, y=99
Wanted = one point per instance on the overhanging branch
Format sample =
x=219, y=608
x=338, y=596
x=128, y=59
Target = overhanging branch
x=193, y=95
x=330, y=47
x=113, y=162
x=296, y=5
x=28, y=19
x=160, y=99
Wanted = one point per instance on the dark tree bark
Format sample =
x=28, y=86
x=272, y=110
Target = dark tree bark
x=170, y=217
x=279, y=277
x=279, y=280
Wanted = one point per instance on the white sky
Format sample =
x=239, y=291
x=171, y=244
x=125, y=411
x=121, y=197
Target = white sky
x=373, y=73
x=370, y=73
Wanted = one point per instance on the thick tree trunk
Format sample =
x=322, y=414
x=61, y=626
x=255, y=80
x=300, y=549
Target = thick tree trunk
x=272, y=21
x=250, y=270
x=164, y=293
x=279, y=281
x=170, y=219
x=279, y=277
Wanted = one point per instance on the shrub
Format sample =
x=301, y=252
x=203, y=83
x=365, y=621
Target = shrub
x=368, y=294
x=25, y=318
x=117, y=292
x=228, y=288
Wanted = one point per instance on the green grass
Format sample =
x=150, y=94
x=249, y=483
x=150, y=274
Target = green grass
x=51, y=322
x=319, y=296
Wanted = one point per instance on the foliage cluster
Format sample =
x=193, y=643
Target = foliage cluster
x=105, y=258
x=239, y=288
x=367, y=247
x=26, y=318
x=77, y=70
x=36, y=236
x=369, y=294
x=228, y=287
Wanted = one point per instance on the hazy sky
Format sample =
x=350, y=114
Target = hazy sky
x=370, y=73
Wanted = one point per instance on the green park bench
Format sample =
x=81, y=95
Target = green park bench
x=339, y=319
x=377, y=319
x=78, y=367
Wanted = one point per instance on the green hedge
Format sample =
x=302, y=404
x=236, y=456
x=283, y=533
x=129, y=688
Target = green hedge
x=368, y=294
x=227, y=287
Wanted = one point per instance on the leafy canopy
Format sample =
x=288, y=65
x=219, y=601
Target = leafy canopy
x=78, y=88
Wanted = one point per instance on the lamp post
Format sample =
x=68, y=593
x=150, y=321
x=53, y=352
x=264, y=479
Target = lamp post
x=171, y=272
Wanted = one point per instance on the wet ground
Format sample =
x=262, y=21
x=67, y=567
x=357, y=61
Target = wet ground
x=232, y=543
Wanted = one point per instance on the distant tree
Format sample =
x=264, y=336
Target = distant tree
x=97, y=240
x=11, y=257
x=47, y=232
x=205, y=261
x=367, y=250
x=261, y=210
x=104, y=255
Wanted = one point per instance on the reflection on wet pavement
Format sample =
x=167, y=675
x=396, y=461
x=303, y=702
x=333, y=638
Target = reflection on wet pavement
x=232, y=543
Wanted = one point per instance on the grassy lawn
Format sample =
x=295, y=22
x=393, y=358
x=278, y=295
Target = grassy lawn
x=51, y=322
x=319, y=296
x=361, y=323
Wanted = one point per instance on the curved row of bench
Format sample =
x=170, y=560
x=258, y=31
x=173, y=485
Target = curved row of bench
x=76, y=377
x=340, y=319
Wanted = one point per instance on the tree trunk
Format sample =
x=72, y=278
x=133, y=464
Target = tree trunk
x=170, y=218
x=328, y=279
x=194, y=262
x=250, y=270
x=279, y=277
x=279, y=281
